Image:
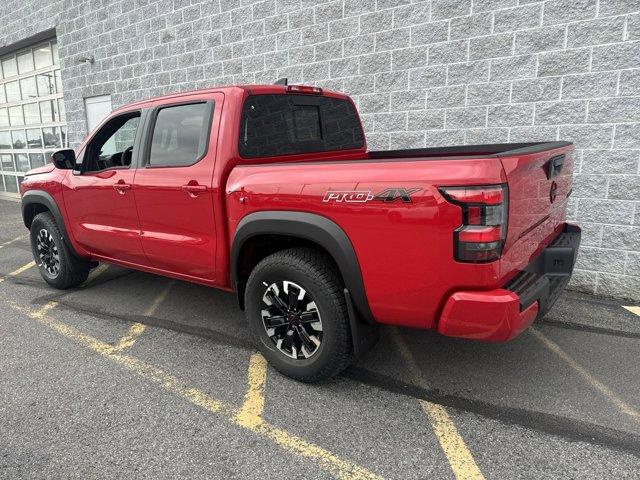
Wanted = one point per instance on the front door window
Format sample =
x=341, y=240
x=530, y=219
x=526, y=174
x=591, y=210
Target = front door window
x=112, y=146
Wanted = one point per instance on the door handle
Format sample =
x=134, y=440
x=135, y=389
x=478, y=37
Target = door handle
x=194, y=189
x=121, y=187
x=554, y=165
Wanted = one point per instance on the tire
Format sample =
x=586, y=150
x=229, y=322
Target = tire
x=322, y=299
x=57, y=265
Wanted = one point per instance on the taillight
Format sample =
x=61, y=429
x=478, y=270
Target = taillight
x=481, y=236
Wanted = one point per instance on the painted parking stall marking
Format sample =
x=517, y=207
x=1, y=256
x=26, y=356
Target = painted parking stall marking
x=633, y=309
x=458, y=454
x=137, y=329
x=336, y=466
x=623, y=406
x=18, y=271
x=2, y=245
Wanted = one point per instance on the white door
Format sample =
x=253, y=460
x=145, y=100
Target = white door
x=97, y=108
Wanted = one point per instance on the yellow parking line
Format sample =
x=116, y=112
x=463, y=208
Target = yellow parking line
x=623, y=406
x=459, y=456
x=12, y=241
x=130, y=337
x=138, y=329
x=250, y=415
x=18, y=271
x=633, y=309
x=333, y=464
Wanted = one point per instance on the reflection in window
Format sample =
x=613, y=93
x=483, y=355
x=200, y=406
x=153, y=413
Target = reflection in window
x=56, y=57
x=15, y=115
x=30, y=85
x=28, y=88
x=4, y=117
x=7, y=162
x=22, y=162
x=13, y=91
x=51, y=137
x=179, y=135
x=49, y=110
x=5, y=140
x=31, y=114
x=9, y=67
x=61, y=111
x=56, y=74
x=42, y=56
x=46, y=85
x=34, y=138
x=19, y=140
x=36, y=159
x=25, y=62
x=11, y=184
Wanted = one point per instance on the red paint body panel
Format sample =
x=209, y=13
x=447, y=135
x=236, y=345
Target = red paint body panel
x=404, y=249
x=492, y=316
x=177, y=227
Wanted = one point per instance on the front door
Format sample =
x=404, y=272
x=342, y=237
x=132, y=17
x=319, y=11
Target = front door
x=99, y=196
x=173, y=186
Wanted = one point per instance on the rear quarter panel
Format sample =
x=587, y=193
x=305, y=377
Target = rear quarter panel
x=405, y=250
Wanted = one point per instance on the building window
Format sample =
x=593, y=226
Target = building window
x=32, y=113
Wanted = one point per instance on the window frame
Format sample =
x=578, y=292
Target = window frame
x=151, y=125
x=136, y=140
x=301, y=99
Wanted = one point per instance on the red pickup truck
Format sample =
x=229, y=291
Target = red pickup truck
x=270, y=192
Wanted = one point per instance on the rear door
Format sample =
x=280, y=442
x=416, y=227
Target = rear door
x=540, y=183
x=173, y=186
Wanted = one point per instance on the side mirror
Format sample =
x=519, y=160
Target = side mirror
x=64, y=159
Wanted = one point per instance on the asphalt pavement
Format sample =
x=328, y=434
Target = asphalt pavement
x=133, y=375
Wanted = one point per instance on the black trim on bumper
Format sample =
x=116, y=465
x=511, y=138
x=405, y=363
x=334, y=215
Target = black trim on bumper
x=545, y=278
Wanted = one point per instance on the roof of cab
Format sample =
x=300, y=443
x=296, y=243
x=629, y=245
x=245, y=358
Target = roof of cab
x=251, y=89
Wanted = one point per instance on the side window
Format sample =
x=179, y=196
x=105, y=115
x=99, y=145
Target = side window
x=180, y=135
x=112, y=146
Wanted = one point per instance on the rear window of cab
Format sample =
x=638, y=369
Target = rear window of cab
x=289, y=124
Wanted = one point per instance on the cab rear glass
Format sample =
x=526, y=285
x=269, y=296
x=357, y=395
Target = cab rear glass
x=281, y=124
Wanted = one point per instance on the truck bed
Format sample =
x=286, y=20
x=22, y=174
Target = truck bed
x=496, y=150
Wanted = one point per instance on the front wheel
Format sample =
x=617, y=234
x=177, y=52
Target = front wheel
x=296, y=309
x=57, y=265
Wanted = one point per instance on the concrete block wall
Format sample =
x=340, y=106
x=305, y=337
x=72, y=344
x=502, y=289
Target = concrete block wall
x=424, y=73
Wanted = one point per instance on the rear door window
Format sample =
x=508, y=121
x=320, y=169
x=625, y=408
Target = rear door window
x=180, y=135
x=283, y=124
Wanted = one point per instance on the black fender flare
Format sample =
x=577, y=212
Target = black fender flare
x=312, y=227
x=40, y=197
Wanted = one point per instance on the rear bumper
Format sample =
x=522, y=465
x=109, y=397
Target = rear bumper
x=501, y=314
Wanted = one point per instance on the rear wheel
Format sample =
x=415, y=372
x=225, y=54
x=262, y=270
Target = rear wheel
x=296, y=309
x=56, y=263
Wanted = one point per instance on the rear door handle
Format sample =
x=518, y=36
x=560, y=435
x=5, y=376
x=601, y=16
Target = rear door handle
x=193, y=190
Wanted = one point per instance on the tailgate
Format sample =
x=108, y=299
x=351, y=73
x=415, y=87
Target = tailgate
x=540, y=181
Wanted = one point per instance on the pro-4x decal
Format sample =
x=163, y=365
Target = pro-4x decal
x=392, y=194
x=388, y=195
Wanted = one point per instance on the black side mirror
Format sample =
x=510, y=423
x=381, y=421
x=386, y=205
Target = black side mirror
x=64, y=159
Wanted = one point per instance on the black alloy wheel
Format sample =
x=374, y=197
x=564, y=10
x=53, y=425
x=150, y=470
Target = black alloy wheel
x=291, y=319
x=48, y=252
